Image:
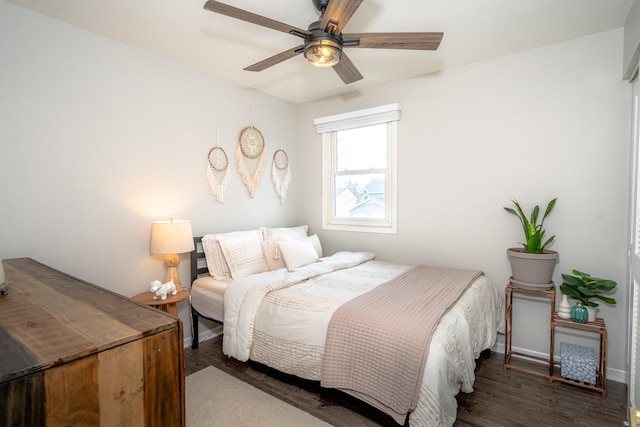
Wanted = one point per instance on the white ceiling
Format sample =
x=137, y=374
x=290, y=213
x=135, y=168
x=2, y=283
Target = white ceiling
x=474, y=30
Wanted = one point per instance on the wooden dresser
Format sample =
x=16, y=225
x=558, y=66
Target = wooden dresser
x=74, y=354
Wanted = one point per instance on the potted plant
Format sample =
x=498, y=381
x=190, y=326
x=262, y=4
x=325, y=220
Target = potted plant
x=583, y=288
x=532, y=265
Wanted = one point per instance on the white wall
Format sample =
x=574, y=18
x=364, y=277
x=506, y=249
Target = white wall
x=99, y=139
x=531, y=126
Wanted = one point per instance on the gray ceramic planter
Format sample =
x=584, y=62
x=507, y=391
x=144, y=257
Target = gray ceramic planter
x=532, y=270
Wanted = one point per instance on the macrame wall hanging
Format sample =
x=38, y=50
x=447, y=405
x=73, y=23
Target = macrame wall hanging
x=251, y=154
x=218, y=173
x=280, y=174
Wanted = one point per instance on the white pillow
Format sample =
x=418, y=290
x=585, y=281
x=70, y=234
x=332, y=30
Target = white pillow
x=216, y=263
x=297, y=253
x=299, y=232
x=243, y=253
x=271, y=252
x=315, y=241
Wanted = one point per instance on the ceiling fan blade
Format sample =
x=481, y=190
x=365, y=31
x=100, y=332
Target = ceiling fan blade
x=416, y=41
x=243, y=15
x=275, y=59
x=346, y=70
x=337, y=14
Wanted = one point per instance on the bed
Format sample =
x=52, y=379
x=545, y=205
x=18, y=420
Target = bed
x=281, y=301
x=207, y=292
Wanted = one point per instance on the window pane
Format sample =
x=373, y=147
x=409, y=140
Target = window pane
x=362, y=148
x=360, y=196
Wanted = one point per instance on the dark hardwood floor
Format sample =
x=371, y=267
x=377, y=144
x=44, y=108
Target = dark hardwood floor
x=500, y=399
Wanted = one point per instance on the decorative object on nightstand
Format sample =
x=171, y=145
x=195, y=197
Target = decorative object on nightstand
x=161, y=290
x=564, y=308
x=583, y=288
x=171, y=238
x=532, y=265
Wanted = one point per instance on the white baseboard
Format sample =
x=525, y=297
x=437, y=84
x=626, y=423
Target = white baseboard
x=612, y=374
x=204, y=334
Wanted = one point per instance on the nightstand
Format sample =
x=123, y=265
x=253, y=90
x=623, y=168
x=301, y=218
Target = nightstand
x=168, y=305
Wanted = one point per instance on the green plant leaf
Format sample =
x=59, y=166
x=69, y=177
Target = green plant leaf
x=548, y=242
x=534, y=215
x=570, y=292
x=547, y=211
x=572, y=280
x=580, y=273
x=604, y=287
x=606, y=299
x=585, y=287
x=587, y=292
x=533, y=232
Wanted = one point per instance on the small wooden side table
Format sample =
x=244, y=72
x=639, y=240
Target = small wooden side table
x=168, y=305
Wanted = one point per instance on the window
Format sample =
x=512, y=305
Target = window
x=359, y=170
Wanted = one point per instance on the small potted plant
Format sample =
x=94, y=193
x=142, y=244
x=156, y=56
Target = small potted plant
x=583, y=288
x=532, y=265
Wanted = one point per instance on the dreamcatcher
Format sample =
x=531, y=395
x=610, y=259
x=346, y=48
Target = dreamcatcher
x=251, y=147
x=280, y=168
x=218, y=173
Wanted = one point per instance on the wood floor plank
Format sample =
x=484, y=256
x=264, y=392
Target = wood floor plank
x=500, y=398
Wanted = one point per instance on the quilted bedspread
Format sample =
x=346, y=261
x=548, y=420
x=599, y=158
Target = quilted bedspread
x=383, y=362
x=280, y=319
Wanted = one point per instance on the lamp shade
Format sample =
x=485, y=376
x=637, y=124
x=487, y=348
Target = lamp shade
x=171, y=237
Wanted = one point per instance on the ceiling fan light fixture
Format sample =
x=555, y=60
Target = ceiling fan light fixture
x=323, y=53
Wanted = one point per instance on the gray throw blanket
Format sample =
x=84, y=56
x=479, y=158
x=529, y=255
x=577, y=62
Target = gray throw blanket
x=377, y=344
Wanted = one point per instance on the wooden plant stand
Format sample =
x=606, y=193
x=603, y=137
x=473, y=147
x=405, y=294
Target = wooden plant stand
x=553, y=372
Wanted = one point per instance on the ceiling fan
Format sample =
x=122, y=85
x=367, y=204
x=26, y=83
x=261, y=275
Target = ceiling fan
x=324, y=41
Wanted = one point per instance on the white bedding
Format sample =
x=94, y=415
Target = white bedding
x=280, y=318
x=207, y=296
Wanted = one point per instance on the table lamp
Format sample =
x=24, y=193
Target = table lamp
x=171, y=238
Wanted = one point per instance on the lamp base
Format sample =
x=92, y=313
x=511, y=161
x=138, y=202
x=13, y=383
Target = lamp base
x=172, y=261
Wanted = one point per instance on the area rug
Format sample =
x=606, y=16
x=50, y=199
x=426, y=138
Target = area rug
x=215, y=398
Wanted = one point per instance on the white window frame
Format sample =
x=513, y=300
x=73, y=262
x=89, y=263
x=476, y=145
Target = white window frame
x=328, y=127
